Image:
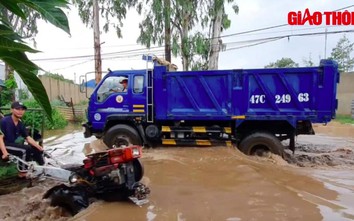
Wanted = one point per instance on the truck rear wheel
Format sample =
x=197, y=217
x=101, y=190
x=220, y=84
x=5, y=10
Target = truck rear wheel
x=259, y=143
x=121, y=135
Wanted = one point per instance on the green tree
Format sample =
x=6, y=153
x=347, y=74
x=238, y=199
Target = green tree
x=8, y=92
x=341, y=53
x=23, y=94
x=184, y=15
x=113, y=11
x=58, y=77
x=27, y=28
x=308, y=62
x=13, y=48
x=219, y=22
x=195, y=47
x=282, y=63
x=35, y=118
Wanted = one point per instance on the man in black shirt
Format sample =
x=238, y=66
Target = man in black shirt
x=15, y=134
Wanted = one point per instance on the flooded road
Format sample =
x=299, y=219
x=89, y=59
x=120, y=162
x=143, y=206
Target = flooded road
x=217, y=183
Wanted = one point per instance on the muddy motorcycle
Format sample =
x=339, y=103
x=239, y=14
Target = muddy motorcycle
x=112, y=175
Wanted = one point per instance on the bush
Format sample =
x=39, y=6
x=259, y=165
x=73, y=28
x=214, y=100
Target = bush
x=344, y=119
x=35, y=118
x=58, y=103
x=7, y=170
x=83, y=103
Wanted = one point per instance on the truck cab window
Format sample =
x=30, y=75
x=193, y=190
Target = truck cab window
x=114, y=84
x=138, y=84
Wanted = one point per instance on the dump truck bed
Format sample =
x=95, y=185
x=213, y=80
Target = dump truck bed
x=257, y=94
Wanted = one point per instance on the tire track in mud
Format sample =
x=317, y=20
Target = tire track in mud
x=322, y=151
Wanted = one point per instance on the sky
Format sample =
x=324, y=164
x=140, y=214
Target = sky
x=55, y=44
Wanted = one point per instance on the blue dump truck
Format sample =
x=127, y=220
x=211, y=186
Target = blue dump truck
x=255, y=109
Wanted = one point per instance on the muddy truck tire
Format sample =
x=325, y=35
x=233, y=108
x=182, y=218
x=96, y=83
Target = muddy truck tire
x=259, y=143
x=121, y=135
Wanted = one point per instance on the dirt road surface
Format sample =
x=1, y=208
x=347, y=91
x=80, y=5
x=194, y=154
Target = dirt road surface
x=219, y=183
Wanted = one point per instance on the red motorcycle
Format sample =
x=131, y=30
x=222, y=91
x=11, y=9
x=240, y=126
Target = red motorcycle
x=111, y=175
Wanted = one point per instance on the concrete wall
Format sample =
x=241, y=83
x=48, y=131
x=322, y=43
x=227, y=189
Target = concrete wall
x=56, y=88
x=345, y=93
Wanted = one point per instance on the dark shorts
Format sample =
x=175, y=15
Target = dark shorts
x=26, y=153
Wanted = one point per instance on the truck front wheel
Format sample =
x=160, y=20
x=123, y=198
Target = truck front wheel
x=259, y=143
x=121, y=135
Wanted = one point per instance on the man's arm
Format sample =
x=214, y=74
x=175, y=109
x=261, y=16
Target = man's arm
x=3, y=127
x=29, y=139
x=5, y=154
x=32, y=142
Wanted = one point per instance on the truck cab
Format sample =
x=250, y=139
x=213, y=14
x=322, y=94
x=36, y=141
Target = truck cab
x=121, y=95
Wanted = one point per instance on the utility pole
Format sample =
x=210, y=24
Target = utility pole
x=167, y=30
x=97, y=44
x=325, y=50
x=216, y=43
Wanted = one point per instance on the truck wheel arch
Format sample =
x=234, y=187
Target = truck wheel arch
x=261, y=141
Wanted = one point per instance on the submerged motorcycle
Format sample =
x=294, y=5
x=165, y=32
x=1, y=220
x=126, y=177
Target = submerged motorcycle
x=111, y=175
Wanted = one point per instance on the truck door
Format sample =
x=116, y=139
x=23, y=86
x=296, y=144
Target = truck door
x=138, y=98
x=119, y=95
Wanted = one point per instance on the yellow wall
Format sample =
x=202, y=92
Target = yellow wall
x=56, y=88
x=345, y=93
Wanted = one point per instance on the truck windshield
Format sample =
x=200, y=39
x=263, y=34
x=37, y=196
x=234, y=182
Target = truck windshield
x=112, y=85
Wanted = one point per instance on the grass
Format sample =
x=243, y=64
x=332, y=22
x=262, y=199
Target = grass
x=7, y=170
x=344, y=119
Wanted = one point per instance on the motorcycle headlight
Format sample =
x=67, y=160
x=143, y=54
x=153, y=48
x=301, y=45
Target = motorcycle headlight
x=73, y=178
x=136, y=152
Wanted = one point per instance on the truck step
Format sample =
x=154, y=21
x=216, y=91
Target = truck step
x=192, y=142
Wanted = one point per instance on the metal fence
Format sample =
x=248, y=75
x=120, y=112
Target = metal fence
x=72, y=113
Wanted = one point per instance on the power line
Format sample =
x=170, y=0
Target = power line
x=293, y=35
x=246, y=46
x=110, y=58
x=140, y=50
x=272, y=27
x=155, y=50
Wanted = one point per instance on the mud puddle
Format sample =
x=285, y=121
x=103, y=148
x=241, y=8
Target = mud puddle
x=220, y=183
x=333, y=146
x=216, y=183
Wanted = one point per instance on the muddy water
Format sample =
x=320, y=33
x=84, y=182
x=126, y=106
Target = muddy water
x=217, y=183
